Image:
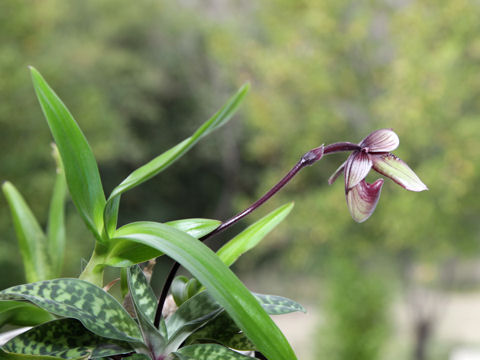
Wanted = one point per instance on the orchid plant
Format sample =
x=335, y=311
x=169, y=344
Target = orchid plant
x=215, y=316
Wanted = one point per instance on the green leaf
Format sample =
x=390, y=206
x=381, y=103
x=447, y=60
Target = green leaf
x=164, y=160
x=142, y=293
x=127, y=253
x=252, y=235
x=56, y=218
x=189, y=317
x=184, y=288
x=22, y=314
x=66, y=339
x=31, y=239
x=209, y=352
x=222, y=330
x=220, y=282
x=81, y=171
x=8, y=356
x=145, y=302
x=279, y=305
x=96, y=309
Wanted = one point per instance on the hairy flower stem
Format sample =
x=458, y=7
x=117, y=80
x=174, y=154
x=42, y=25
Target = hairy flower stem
x=307, y=159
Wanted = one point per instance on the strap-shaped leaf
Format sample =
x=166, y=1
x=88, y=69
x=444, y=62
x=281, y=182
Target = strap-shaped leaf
x=56, y=218
x=66, y=339
x=127, y=253
x=164, y=160
x=190, y=316
x=144, y=302
x=252, y=235
x=31, y=239
x=209, y=352
x=81, y=171
x=96, y=309
x=218, y=279
x=22, y=314
x=279, y=305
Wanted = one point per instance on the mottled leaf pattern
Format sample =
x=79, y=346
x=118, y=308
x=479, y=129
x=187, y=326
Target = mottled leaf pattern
x=190, y=316
x=95, y=308
x=144, y=302
x=9, y=356
x=222, y=330
x=67, y=339
x=142, y=293
x=209, y=352
x=278, y=305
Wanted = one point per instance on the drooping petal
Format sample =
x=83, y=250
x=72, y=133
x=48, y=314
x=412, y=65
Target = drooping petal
x=336, y=174
x=357, y=167
x=382, y=140
x=363, y=198
x=397, y=170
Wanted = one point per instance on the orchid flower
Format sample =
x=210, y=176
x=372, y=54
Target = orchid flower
x=374, y=152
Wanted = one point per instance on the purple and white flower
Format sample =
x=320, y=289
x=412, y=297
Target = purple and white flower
x=374, y=152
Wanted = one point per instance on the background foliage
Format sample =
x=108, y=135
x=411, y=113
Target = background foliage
x=140, y=77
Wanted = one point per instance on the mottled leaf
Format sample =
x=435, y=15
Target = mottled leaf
x=251, y=236
x=66, y=339
x=8, y=356
x=22, y=314
x=96, y=309
x=81, y=171
x=164, y=160
x=278, y=305
x=209, y=352
x=31, y=239
x=190, y=316
x=218, y=279
x=145, y=302
x=222, y=330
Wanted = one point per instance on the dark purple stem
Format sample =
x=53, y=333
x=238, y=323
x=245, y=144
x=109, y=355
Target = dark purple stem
x=308, y=159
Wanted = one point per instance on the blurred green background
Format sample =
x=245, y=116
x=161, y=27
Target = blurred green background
x=140, y=76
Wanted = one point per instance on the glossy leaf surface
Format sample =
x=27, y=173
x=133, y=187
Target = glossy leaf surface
x=220, y=282
x=251, y=236
x=56, y=218
x=164, y=160
x=31, y=239
x=96, y=309
x=21, y=313
x=66, y=339
x=127, y=253
x=81, y=171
